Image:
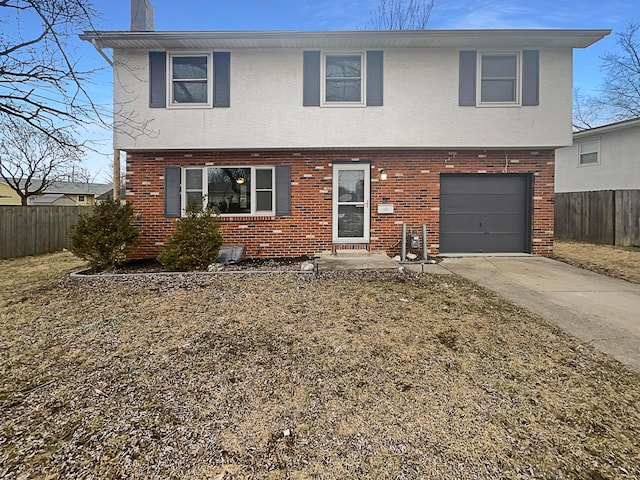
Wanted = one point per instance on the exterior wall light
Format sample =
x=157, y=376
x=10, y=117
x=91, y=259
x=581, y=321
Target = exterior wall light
x=383, y=174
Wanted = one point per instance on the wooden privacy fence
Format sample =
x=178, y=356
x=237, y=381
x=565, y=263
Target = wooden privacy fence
x=607, y=216
x=34, y=229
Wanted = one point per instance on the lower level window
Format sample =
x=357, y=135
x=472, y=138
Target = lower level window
x=588, y=153
x=231, y=190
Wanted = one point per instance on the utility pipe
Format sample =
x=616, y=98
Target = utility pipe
x=424, y=242
x=403, y=252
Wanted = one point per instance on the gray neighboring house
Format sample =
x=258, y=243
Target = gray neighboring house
x=597, y=185
x=602, y=158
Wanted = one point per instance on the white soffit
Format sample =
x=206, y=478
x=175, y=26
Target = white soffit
x=346, y=39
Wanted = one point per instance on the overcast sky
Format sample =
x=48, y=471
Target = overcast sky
x=353, y=14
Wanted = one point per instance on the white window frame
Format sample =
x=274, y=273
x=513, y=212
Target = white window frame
x=595, y=149
x=323, y=77
x=82, y=198
x=253, y=193
x=170, y=80
x=518, y=81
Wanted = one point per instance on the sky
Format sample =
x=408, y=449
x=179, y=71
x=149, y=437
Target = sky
x=314, y=15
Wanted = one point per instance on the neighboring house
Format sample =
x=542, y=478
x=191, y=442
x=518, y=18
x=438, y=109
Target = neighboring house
x=58, y=193
x=602, y=158
x=109, y=194
x=7, y=195
x=598, y=185
x=318, y=141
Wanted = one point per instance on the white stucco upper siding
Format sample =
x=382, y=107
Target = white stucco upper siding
x=619, y=161
x=420, y=107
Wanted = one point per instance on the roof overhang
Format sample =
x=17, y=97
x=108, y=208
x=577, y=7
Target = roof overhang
x=612, y=127
x=345, y=39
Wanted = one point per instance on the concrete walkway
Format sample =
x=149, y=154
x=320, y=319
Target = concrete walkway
x=355, y=261
x=350, y=260
x=597, y=309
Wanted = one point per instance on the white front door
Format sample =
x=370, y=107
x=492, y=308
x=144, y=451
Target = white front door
x=351, y=204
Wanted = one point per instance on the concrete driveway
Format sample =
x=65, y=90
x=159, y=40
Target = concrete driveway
x=597, y=309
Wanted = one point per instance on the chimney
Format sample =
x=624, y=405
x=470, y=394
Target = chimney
x=141, y=16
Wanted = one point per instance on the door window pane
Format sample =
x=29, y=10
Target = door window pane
x=351, y=186
x=350, y=221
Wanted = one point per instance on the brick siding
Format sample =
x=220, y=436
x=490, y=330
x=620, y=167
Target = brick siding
x=413, y=187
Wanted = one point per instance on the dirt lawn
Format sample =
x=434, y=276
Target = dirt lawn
x=357, y=375
x=619, y=262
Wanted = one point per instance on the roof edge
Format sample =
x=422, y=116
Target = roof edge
x=633, y=122
x=576, y=38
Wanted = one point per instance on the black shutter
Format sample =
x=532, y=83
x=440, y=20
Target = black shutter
x=467, y=86
x=530, y=77
x=157, y=79
x=172, y=177
x=283, y=190
x=221, y=79
x=374, y=78
x=311, y=79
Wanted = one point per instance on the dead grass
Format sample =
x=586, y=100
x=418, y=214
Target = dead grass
x=26, y=275
x=286, y=376
x=618, y=262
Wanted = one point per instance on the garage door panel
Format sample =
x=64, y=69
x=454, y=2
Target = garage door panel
x=491, y=203
x=482, y=184
x=484, y=213
x=504, y=243
x=470, y=223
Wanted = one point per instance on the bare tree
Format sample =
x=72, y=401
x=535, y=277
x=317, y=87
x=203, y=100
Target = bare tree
x=621, y=90
x=41, y=83
x=401, y=15
x=31, y=160
x=585, y=112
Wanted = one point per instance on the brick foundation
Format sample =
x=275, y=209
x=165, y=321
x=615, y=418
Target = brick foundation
x=413, y=187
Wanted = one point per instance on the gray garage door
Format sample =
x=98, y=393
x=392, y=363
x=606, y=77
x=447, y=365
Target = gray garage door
x=485, y=213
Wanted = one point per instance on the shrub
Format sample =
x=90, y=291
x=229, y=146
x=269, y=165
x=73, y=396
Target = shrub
x=105, y=236
x=195, y=244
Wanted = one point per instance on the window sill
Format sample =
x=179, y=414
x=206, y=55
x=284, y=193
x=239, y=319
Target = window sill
x=188, y=106
x=499, y=105
x=245, y=218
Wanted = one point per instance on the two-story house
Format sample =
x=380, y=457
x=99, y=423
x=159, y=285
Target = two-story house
x=317, y=141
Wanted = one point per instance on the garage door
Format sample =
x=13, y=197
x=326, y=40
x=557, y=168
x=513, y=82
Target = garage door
x=485, y=213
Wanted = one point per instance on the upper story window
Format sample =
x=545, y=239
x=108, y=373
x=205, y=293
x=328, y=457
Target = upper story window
x=343, y=78
x=190, y=79
x=183, y=80
x=231, y=190
x=499, y=78
x=588, y=153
